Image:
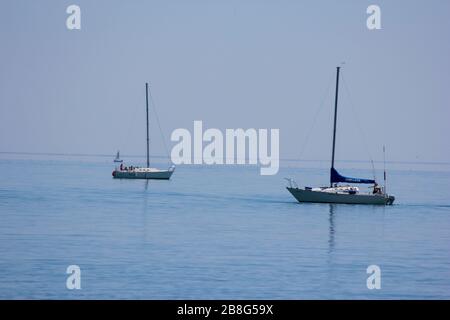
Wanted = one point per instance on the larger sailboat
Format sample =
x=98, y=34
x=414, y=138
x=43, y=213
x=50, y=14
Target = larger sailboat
x=133, y=172
x=341, y=193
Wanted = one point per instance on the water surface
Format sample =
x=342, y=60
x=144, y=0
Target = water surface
x=215, y=233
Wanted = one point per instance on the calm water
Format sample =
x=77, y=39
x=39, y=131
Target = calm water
x=215, y=233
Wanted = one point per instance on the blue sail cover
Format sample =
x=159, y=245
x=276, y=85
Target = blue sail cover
x=336, y=177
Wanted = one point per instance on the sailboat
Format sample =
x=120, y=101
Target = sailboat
x=341, y=193
x=117, y=158
x=147, y=172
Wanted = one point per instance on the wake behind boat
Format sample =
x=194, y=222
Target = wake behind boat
x=341, y=194
x=134, y=172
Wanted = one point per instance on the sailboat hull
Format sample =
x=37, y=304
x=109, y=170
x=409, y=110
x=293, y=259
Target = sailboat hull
x=156, y=174
x=303, y=195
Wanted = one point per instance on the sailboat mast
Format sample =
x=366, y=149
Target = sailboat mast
x=148, y=140
x=335, y=115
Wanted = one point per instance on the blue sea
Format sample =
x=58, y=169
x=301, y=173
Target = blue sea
x=215, y=232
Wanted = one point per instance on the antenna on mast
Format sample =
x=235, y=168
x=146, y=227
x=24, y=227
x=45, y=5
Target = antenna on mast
x=384, y=168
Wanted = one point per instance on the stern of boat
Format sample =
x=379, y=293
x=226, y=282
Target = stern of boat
x=390, y=200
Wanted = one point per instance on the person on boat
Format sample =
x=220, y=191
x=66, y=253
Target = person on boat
x=121, y=167
x=376, y=189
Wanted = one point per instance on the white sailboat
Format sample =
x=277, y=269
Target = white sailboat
x=134, y=172
x=337, y=193
x=117, y=158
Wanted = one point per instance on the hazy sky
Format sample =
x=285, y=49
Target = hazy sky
x=249, y=64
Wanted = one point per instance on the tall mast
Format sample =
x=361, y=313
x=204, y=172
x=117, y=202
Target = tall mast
x=148, y=140
x=335, y=116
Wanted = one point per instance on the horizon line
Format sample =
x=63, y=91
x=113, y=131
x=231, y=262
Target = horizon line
x=163, y=157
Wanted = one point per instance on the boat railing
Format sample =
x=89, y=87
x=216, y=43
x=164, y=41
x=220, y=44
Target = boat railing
x=292, y=183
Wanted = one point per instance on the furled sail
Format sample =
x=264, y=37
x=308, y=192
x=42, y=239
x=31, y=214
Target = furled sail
x=335, y=177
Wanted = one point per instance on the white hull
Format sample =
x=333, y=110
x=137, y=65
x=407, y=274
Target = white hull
x=143, y=173
x=304, y=195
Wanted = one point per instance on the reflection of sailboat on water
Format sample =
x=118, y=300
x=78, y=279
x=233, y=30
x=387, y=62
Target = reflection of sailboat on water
x=331, y=230
x=117, y=158
x=341, y=194
x=133, y=172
